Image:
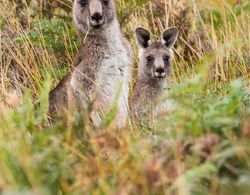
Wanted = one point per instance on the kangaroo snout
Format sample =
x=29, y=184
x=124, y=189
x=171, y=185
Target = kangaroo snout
x=97, y=19
x=159, y=72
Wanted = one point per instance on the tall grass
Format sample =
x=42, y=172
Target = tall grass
x=201, y=146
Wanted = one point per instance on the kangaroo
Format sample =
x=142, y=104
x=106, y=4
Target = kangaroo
x=154, y=69
x=102, y=65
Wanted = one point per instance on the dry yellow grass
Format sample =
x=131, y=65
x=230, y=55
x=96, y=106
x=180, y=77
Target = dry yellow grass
x=202, y=147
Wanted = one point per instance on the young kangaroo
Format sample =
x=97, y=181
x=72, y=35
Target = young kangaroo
x=102, y=66
x=154, y=69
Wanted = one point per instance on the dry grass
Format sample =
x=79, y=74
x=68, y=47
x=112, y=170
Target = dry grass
x=202, y=147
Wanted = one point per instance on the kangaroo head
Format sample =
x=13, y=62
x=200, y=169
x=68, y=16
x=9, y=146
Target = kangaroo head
x=95, y=14
x=155, y=57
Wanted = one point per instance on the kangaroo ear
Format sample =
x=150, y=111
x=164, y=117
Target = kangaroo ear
x=169, y=37
x=143, y=37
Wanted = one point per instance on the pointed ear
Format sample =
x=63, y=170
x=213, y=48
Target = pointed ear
x=169, y=37
x=143, y=37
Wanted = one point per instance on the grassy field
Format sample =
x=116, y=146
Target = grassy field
x=202, y=146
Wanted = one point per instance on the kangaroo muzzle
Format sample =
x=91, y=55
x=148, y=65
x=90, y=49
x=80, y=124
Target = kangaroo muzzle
x=96, y=13
x=97, y=19
x=159, y=72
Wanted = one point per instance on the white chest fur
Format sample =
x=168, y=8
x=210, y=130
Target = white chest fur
x=115, y=70
x=114, y=75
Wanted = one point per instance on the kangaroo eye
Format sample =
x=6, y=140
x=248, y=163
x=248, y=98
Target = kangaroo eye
x=105, y=2
x=150, y=58
x=166, y=58
x=83, y=3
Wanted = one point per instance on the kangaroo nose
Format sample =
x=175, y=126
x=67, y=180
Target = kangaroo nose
x=97, y=18
x=159, y=72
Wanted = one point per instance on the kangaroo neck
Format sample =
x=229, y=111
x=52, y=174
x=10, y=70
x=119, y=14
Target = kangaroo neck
x=153, y=84
x=110, y=33
x=148, y=88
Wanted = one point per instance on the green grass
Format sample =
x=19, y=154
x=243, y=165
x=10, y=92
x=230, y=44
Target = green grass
x=201, y=146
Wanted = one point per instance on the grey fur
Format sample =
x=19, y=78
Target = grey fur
x=153, y=56
x=101, y=66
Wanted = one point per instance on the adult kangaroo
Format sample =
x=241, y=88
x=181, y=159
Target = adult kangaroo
x=101, y=70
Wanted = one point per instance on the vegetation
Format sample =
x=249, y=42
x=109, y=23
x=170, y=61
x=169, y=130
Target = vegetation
x=201, y=146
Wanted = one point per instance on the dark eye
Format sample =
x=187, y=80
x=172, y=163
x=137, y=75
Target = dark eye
x=83, y=3
x=105, y=2
x=149, y=58
x=166, y=58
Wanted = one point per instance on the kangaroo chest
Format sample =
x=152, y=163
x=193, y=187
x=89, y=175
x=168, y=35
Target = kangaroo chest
x=103, y=71
x=114, y=72
x=149, y=100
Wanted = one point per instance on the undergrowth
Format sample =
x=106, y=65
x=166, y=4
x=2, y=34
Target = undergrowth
x=200, y=146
